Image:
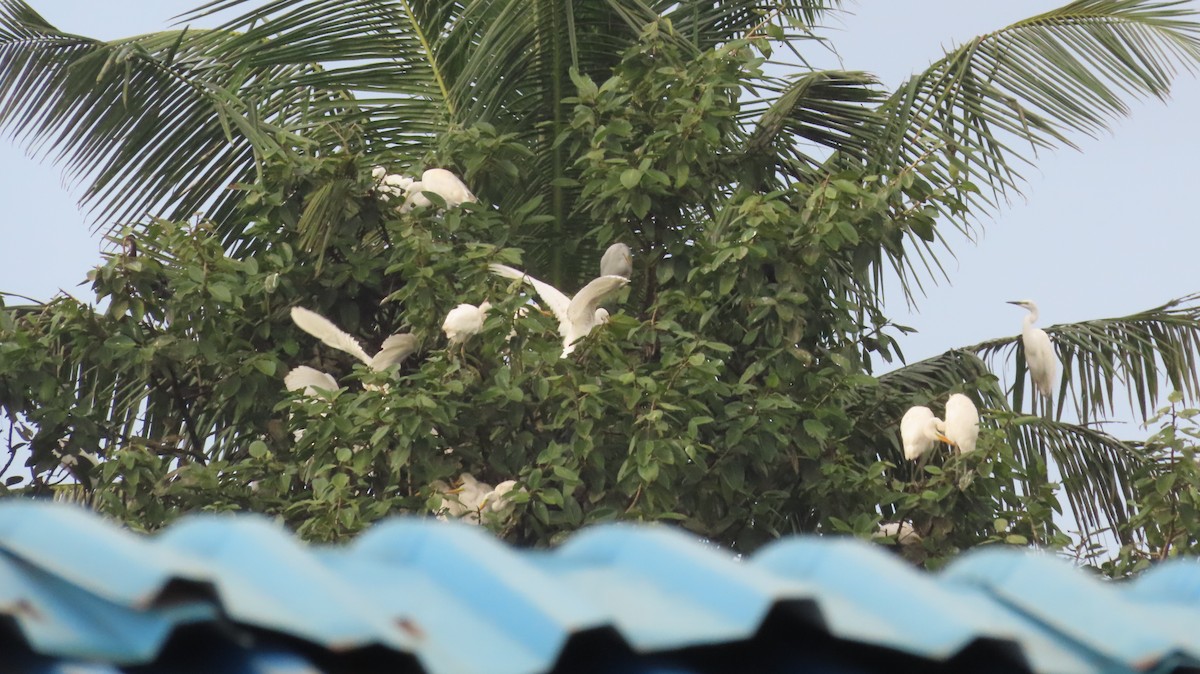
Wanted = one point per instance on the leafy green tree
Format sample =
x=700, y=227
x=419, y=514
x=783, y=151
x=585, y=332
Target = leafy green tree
x=734, y=389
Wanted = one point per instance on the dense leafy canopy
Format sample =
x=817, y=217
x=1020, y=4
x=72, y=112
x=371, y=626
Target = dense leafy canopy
x=737, y=388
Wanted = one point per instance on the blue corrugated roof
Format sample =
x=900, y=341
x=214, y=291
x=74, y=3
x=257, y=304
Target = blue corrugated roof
x=80, y=595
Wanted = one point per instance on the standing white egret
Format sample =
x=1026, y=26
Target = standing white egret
x=1039, y=350
x=919, y=431
x=617, y=261
x=395, y=348
x=576, y=315
x=961, y=427
x=442, y=183
x=464, y=320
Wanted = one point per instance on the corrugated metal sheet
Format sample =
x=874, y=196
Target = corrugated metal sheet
x=79, y=595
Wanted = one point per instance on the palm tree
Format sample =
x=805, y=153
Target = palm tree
x=163, y=123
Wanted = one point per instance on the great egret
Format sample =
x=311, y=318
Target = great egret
x=394, y=350
x=617, y=261
x=576, y=315
x=390, y=185
x=904, y=532
x=1039, y=350
x=919, y=431
x=472, y=498
x=961, y=427
x=442, y=183
x=464, y=320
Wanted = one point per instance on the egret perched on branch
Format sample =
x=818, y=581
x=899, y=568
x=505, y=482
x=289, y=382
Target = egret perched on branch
x=465, y=320
x=919, y=431
x=904, y=532
x=394, y=350
x=472, y=498
x=961, y=427
x=390, y=185
x=576, y=315
x=442, y=183
x=617, y=261
x=1039, y=351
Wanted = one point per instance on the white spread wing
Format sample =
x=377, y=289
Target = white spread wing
x=323, y=329
x=554, y=298
x=582, y=309
x=395, y=349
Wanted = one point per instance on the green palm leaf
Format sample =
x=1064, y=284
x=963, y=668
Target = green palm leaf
x=159, y=122
x=1030, y=85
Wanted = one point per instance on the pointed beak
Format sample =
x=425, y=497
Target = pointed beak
x=1016, y=302
x=946, y=440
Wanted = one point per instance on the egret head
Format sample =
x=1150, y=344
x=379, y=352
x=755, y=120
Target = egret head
x=601, y=316
x=1025, y=304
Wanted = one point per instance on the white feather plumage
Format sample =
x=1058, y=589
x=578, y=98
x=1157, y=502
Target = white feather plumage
x=395, y=348
x=576, y=315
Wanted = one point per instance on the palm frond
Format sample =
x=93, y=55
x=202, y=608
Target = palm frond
x=826, y=108
x=707, y=24
x=1096, y=468
x=159, y=123
x=1030, y=85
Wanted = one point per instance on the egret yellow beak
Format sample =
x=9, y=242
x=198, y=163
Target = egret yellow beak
x=946, y=440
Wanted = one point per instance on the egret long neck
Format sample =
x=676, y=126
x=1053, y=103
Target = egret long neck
x=1032, y=316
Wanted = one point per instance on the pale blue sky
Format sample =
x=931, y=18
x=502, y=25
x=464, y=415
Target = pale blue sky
x=1105, y=232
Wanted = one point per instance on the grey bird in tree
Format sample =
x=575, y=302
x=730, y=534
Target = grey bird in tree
x=617, y=261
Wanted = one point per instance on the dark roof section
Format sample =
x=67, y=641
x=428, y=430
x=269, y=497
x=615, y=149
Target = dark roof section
x=80, y=595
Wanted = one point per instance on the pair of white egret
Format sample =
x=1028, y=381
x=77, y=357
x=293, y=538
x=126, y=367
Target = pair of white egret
x=473, y=500
x=920, y=429
x=577, y=316
x=437, y=181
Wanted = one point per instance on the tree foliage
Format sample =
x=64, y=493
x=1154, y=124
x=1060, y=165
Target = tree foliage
x=739, y=388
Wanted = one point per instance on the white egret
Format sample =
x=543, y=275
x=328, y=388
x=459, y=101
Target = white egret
x=496, y=500
x=390, y=185
x=1039, y=350
x=919, y=431
x=576, y=315
x=471, y=498
x=440, y=182
x=961, y=427
x=394, y=350
x=617, y=261
x=903, y=532
x=464, y=320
